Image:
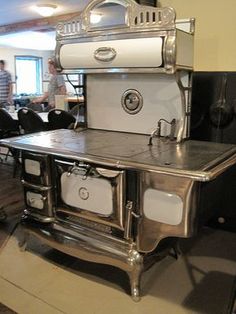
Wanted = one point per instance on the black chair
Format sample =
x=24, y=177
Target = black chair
x=30, y=121
x=60, y=119
x=4, y=104
x=9, y=128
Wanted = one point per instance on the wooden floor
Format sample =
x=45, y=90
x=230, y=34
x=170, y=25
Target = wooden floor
x=11, y=206
x=11, y=199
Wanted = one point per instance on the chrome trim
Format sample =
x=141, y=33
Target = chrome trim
x=32, y=215
x=169, y=52
x=75, y=221
x=136, y=19
x=185, y=92
x=130, y=97
x=113, y=70
x=222, y=167
x=141, y=21
x=143, y=33
x=192, y=25
x=111, y=221
x=90, y=246
x=182, y=121
x=203, y=175
x=36, y=187
x=128, y=225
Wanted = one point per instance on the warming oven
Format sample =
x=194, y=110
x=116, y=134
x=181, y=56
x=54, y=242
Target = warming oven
x=124, y=186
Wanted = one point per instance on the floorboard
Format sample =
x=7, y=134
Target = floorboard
x=11, y=207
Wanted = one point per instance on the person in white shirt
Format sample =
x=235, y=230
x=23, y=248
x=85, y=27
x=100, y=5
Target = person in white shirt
x=56, y=86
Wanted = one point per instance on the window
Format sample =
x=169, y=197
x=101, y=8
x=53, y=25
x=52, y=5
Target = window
x=28, y=75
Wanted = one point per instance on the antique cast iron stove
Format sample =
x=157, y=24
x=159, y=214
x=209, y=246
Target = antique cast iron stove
x=127, y=184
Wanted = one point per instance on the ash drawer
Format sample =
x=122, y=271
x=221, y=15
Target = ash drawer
x=36, y=168
x=38, y=199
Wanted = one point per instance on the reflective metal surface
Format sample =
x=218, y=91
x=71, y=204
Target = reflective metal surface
x=150, y=232
x=164, y=167
x=138, y=39
x=152, y=192
x=200, y=161
x=90, y=245
x=133, y=21
x=132, y=101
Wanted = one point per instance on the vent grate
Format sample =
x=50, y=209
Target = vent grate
x=148, y=17
x=69, y=28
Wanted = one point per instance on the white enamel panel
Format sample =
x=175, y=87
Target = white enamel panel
x=91, y=194
x=184, y=49
x=138, y=52
x=34, y=200
x=162, y=207
x=32, y=167
x=161, y=99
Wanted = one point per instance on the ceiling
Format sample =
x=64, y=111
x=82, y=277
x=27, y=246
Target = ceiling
x=13, y=11
x=20, y=11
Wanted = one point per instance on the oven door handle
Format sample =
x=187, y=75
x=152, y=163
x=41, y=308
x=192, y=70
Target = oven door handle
x=83, y=170
x=129, y=214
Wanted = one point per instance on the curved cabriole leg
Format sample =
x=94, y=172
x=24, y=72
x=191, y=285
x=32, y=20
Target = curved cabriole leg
x=134, y=278
x=136, y=261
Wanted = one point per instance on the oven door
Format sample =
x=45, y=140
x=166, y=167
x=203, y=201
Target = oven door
x=89, y=192
x=38, y=201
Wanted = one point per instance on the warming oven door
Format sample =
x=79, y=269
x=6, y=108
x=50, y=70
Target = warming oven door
x=87, y=193
x=38, y=202
x=36, y=168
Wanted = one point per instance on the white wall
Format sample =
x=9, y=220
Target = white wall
x=215, y=35
x=8, y=55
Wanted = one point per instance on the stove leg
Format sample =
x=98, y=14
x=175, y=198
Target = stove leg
x=134, y=278
x=136, y=261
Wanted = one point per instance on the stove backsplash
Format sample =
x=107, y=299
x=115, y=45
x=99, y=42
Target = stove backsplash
x=212, y=119
x=215, y=121
x=139, y=101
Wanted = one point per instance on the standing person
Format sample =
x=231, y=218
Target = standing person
x=56, y=86
x=5, y=85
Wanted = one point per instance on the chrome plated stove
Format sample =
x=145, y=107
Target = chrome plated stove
x=122, y=190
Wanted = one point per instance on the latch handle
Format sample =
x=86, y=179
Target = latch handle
x=105, y=54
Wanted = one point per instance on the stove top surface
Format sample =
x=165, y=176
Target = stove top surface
x=122, y=149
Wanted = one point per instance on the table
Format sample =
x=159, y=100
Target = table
x=74, y=99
